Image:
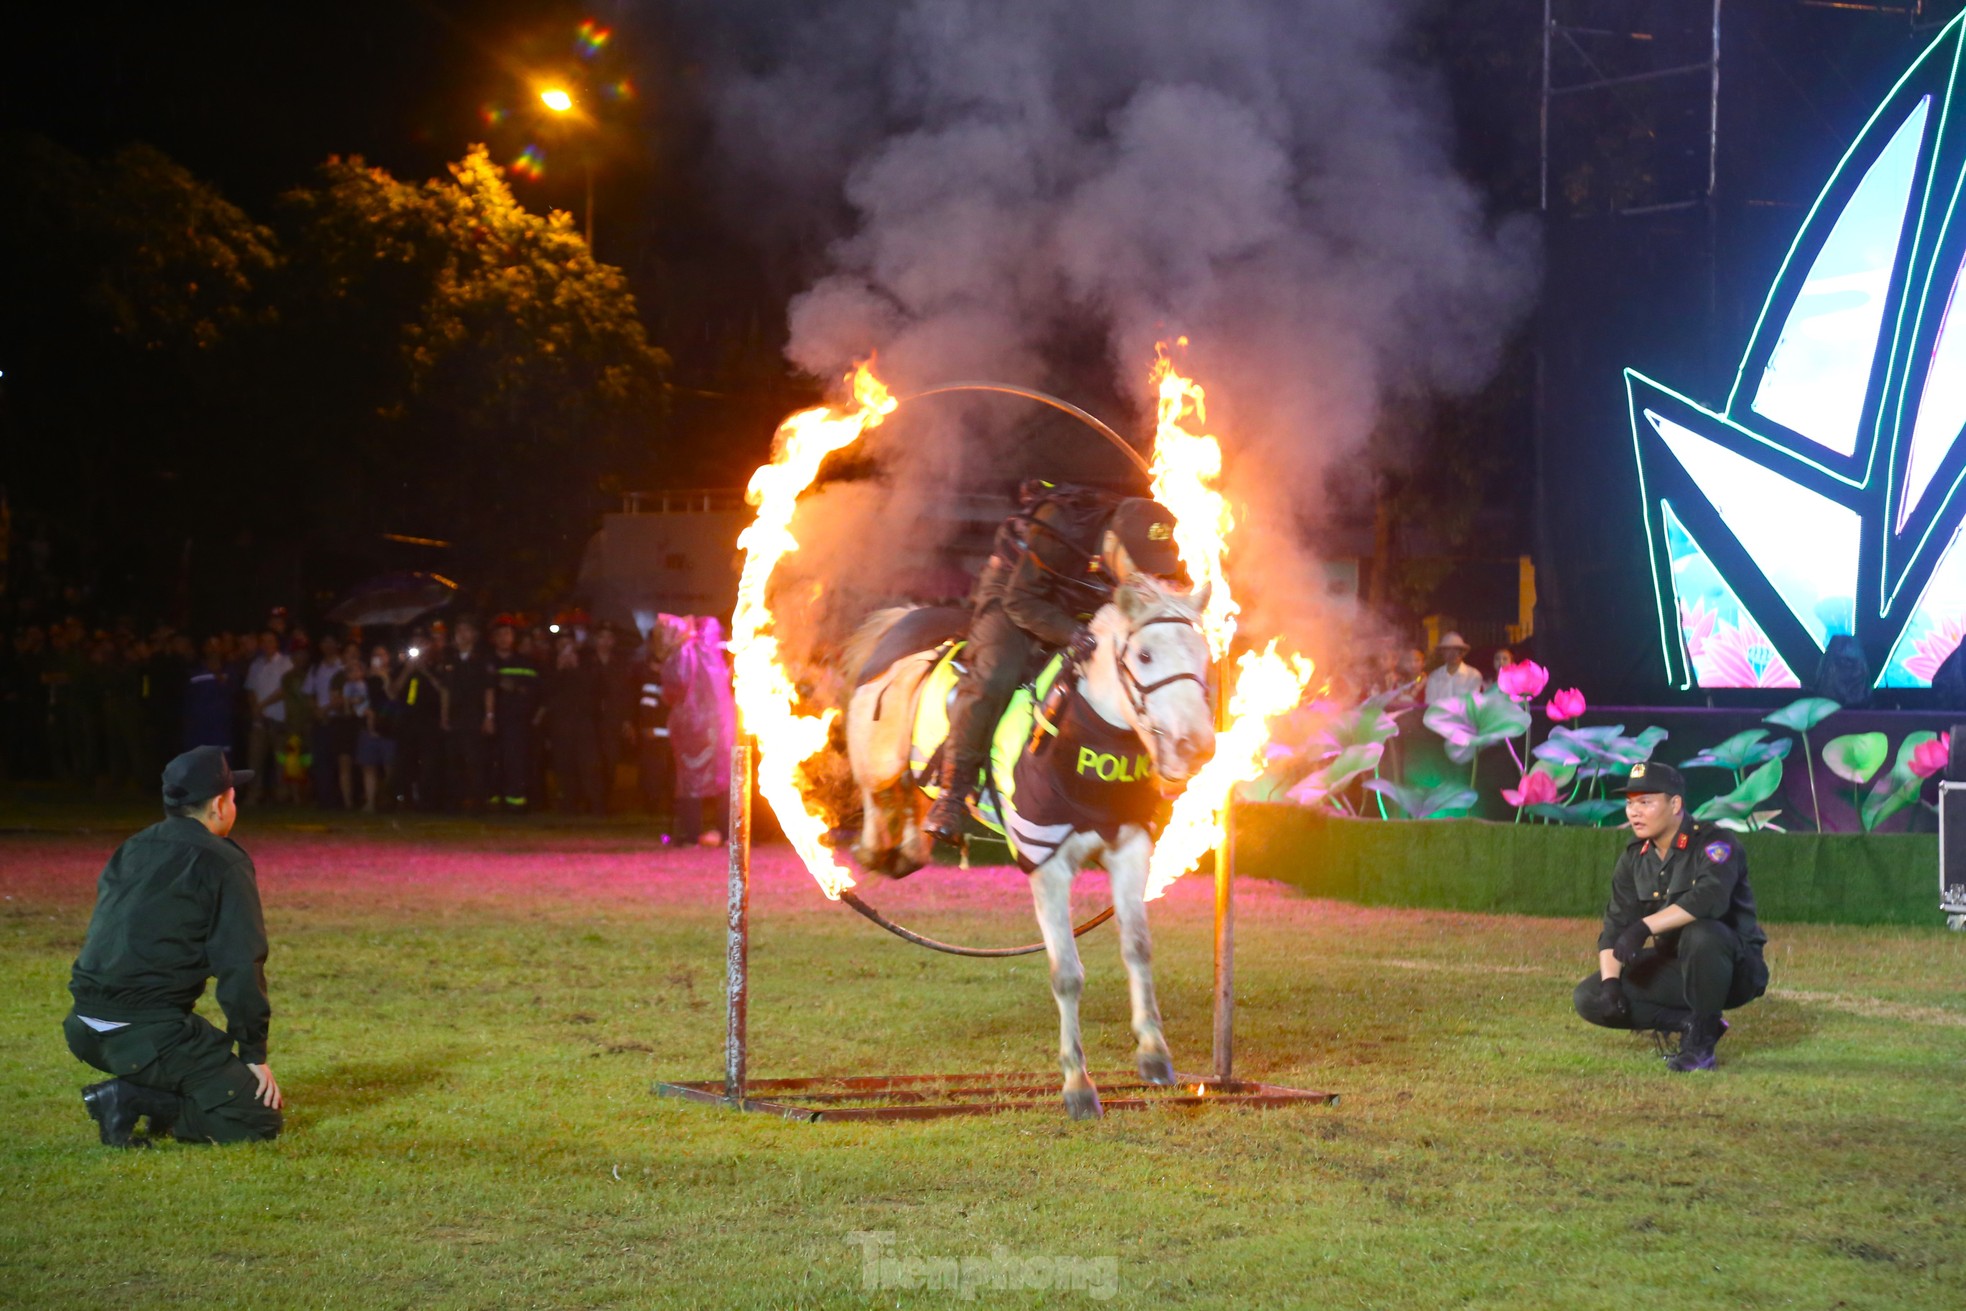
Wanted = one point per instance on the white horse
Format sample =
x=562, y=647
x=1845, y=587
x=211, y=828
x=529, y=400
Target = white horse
x=1148, y=678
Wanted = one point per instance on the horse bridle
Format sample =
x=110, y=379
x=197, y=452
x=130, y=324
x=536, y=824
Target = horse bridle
x=1138, y=692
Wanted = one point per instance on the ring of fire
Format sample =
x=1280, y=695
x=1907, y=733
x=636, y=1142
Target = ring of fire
x=1186, y=469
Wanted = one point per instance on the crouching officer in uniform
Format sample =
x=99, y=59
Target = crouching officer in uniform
x=176, y=904
x=1684, y=886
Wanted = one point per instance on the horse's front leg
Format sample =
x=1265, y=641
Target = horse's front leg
x=1051, y=888
x=1127, y=864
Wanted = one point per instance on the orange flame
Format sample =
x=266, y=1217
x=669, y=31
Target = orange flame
x=767, y=702
x=1186, y=468
x=1267, y=684
x=1187, y=465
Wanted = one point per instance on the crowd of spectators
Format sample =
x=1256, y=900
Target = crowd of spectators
x=1413, y=679
x=450, y=717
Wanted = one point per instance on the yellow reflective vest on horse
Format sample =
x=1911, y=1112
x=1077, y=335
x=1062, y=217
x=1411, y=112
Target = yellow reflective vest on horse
x=1078, y=773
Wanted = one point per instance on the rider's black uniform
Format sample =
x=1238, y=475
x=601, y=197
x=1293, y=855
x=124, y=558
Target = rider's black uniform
x=1044, y=580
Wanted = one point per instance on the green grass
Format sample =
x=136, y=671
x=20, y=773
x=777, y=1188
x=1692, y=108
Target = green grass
x=468, y=1019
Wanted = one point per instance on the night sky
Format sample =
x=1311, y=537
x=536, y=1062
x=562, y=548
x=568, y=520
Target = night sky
x=252, y=99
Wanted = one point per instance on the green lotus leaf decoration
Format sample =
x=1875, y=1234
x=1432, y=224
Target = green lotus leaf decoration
x=1898, y=789
x=1742, y=751
x=1474, y=721
x=1446, y=801
x=1801, y=716
x=1579, y=813
x=1856, y=757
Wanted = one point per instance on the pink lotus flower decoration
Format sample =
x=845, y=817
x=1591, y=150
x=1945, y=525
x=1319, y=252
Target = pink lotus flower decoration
x=1567, y=704
x=1932, y=648
x=1523, y=680
x=1538, y=789
x=1928, y=758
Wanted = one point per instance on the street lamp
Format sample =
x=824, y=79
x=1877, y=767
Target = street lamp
x=559, y=101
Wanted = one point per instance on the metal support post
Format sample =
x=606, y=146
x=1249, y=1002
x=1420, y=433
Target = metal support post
x=1225, y=912
x=737, y=952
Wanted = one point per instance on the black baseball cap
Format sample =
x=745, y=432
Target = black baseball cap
x=1146, y=529
x=199, y=775
x=1650, y=776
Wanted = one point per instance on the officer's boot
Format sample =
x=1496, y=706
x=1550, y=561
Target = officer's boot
x=951, y=809
x=1703, y=1031
x=117, y=1104
x=113, y=1109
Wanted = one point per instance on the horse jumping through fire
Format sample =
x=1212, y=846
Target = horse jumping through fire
x=1078, y=778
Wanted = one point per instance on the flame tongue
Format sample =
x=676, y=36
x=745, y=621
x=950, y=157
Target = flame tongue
x=1187, y=465
x=1186, y=468
x=767, y=702
x=1267, y=684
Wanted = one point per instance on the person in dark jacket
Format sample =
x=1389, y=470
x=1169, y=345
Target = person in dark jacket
x=178, y=904
x=467, y=720
x=515, y=708
x=1052, y=565
x=573, y=707
x=614, y=725
x=1682, y=886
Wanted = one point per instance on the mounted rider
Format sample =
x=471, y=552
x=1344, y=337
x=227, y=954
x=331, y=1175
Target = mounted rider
x=1053, y=564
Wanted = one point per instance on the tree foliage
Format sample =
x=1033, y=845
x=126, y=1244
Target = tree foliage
x=385, y=356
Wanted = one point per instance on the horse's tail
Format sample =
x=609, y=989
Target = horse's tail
x=860, y=647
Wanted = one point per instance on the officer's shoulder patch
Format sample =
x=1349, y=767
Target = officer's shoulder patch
x=1718, y=851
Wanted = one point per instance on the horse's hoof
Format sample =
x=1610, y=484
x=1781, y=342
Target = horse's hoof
x=1157, y=1068
x=1083, y=1105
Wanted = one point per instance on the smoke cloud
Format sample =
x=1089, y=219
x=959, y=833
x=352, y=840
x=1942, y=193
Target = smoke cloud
x=1037, y=191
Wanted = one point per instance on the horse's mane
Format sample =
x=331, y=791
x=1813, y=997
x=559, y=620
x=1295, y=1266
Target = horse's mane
x=859, y=648
x=1139, y=598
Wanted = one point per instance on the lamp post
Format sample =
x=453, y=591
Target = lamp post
x=560, y=101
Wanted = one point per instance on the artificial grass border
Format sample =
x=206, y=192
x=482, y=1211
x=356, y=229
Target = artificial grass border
x=1539, y=869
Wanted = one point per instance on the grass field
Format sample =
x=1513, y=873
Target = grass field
x=468, y=1020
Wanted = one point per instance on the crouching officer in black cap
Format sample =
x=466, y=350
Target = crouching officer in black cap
x=176, y=904
x=1684, y=886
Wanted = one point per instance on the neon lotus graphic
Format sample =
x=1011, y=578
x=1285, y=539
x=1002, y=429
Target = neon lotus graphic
x=1824, y=499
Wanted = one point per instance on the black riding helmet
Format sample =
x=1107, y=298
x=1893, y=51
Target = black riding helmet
x=1146, y=529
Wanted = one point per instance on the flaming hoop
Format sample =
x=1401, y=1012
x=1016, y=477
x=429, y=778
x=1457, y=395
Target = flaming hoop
x=767, y=702
x=1186, y=471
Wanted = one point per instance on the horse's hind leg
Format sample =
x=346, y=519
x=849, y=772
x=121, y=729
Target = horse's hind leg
x=1051, y=889
x=1128, y=868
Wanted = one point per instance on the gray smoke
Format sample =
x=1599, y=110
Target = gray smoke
x=1037, y=191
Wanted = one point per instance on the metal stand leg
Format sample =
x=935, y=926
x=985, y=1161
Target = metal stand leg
x=1225, y=909
x=737, y=952
x=1225, y=949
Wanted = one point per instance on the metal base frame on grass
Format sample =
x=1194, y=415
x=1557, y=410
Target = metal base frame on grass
x=935, y=1096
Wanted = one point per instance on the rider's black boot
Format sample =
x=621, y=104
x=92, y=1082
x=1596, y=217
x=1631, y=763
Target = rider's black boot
x=950, y=811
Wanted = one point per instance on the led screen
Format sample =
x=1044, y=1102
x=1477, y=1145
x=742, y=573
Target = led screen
x=1819, y=372
x=1942, y=407
x=1825, y=499
x=1723, y=642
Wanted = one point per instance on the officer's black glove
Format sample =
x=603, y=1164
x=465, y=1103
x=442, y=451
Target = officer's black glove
x=1630, y=942
x=1615, y=1005
x=1082, y=645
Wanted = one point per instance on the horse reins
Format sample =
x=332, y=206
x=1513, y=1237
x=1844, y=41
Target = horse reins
x=1138, y=692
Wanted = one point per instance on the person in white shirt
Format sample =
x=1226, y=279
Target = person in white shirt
x=265, y=699
x=1455, y=676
